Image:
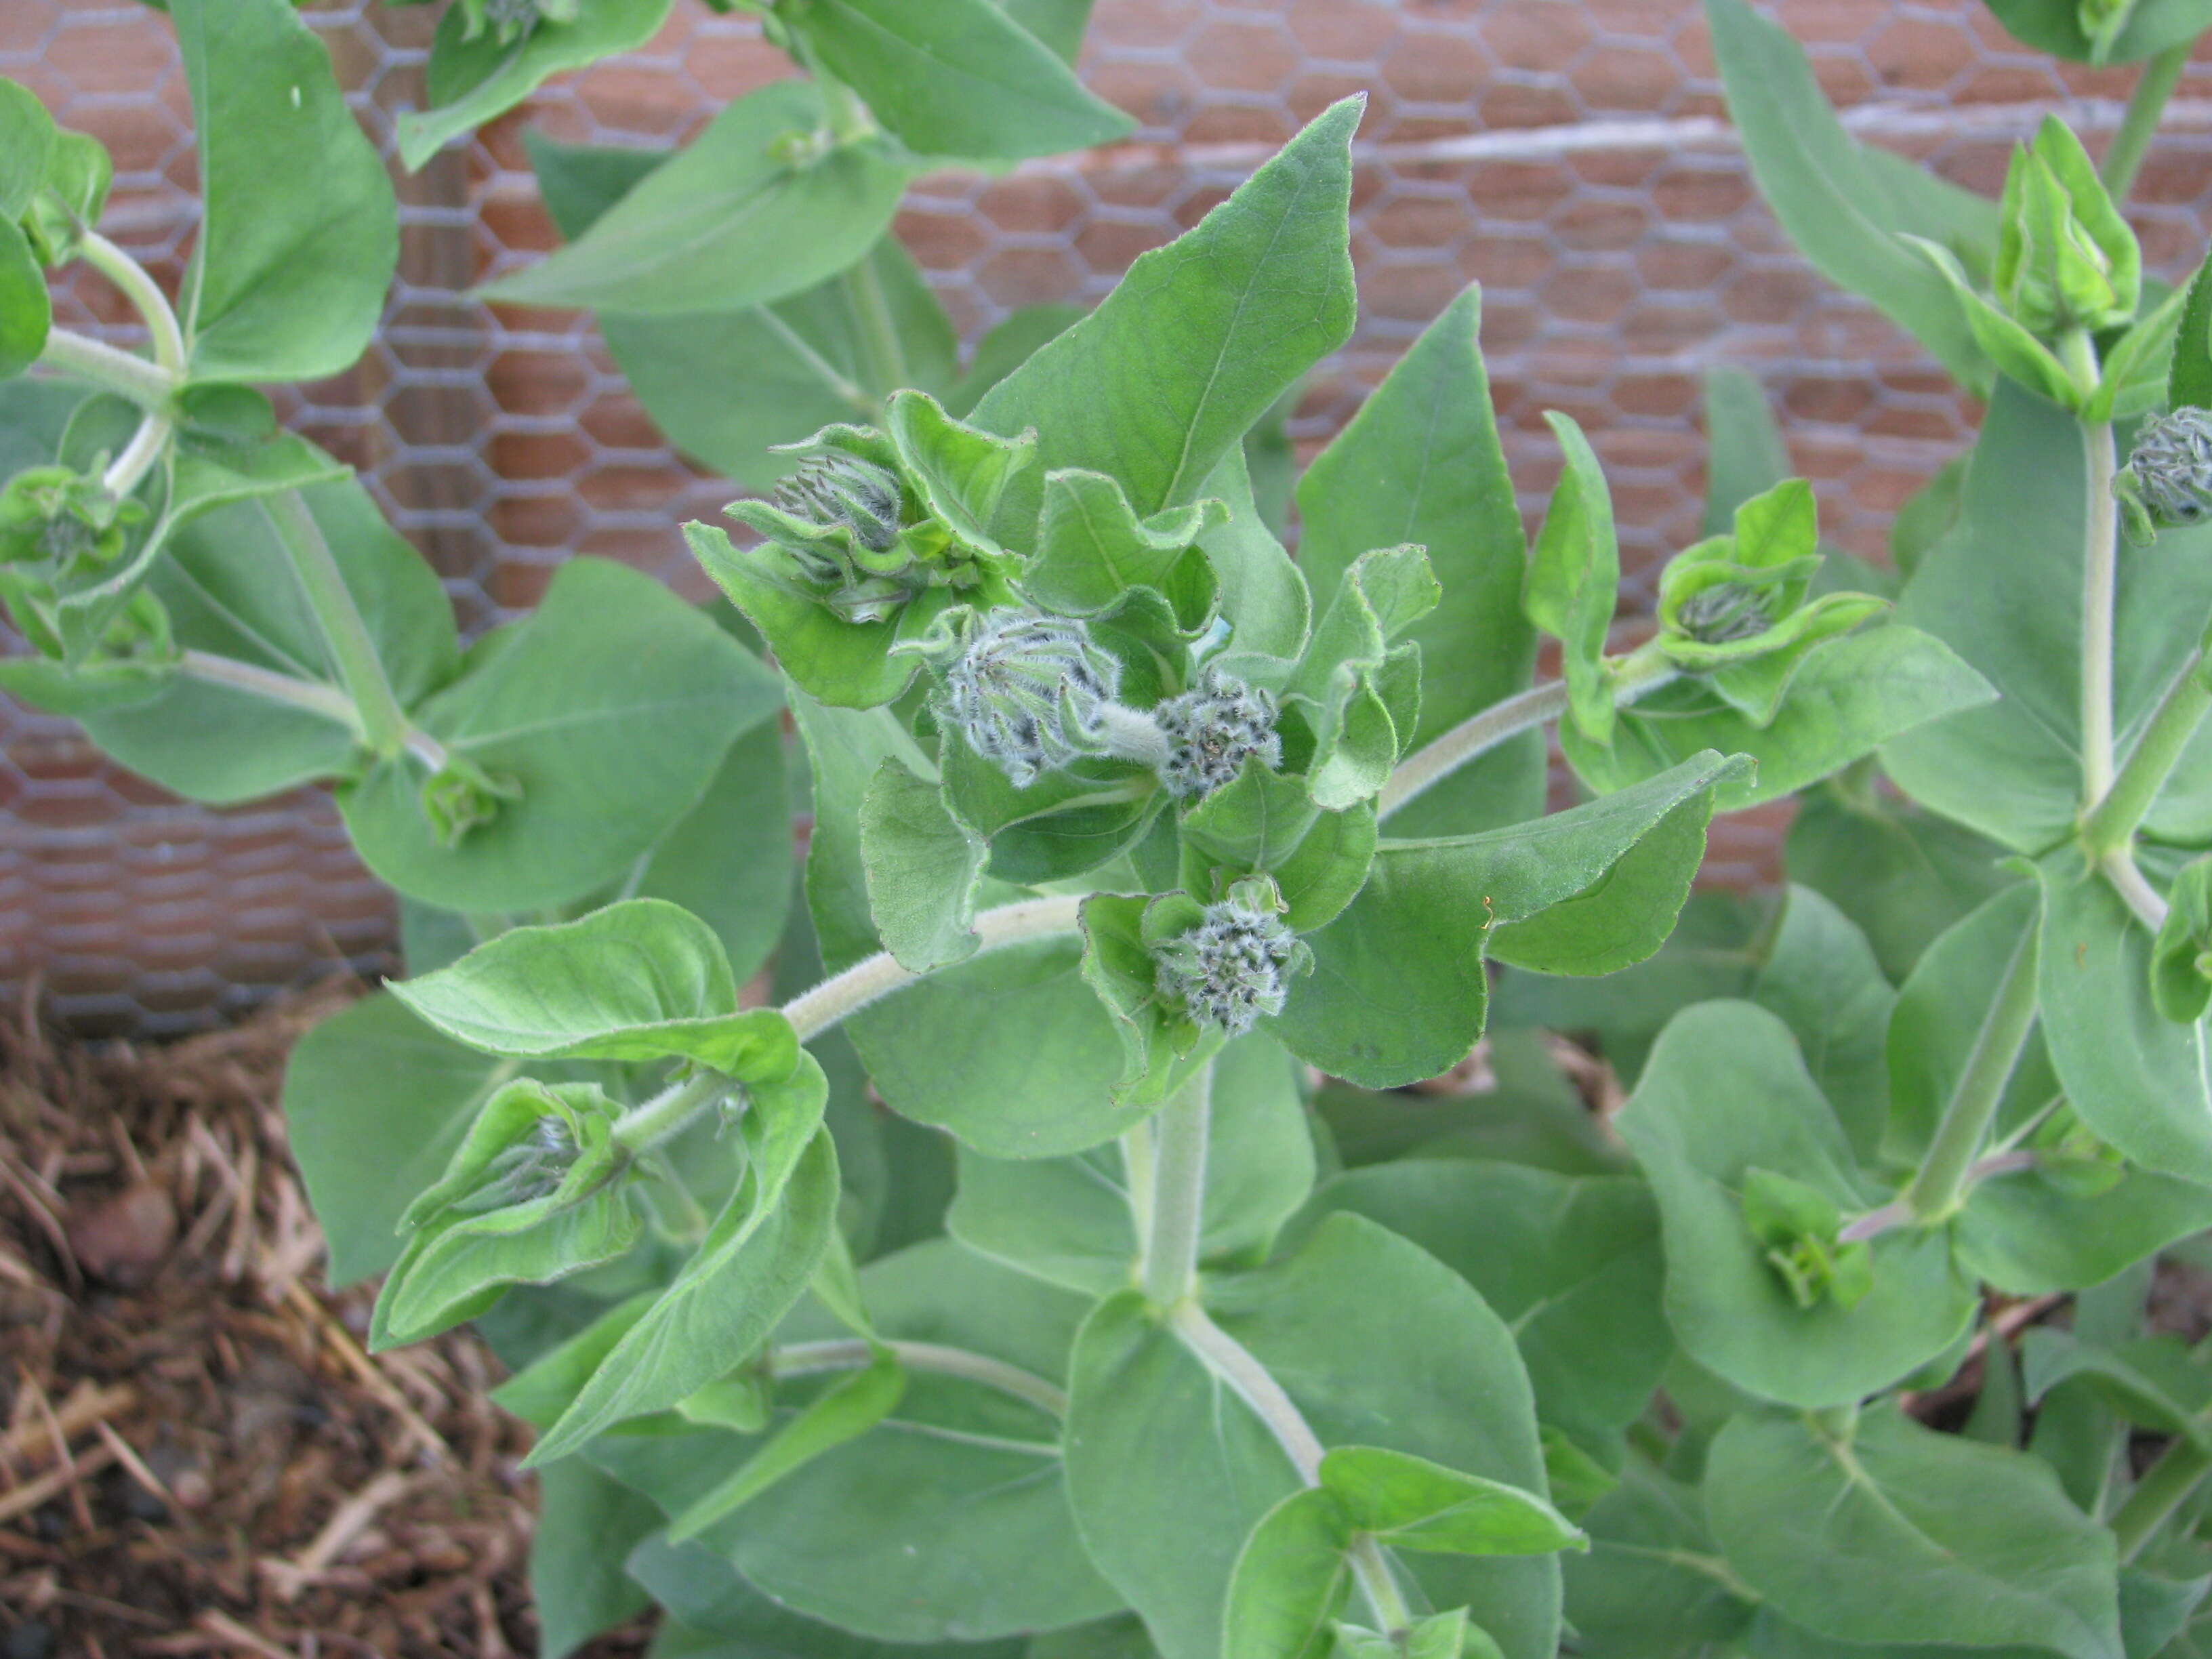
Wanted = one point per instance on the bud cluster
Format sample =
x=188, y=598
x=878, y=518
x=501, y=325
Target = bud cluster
x=1212, y=730
x=837, y=489
x=1230, y=969
x=844, y=534
x=2168, y=481
x=510, y=20
x=1724, y=613
x=61, y=518
x=1027, y=691
x=529, y=1169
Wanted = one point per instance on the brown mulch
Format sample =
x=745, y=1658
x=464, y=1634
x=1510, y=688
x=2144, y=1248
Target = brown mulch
x=196, y=1454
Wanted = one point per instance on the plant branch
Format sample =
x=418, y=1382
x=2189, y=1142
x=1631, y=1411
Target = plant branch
x=146, y=384
x=2161, y=74
x=311, y=695
x=880, y=347
x=845, y=1354
x=650, y=1122
x=146, y=298
x=2119, y=867
x=1167, y=1266
x=2111, y=823
x=1479, y=734
x=1935, y=1191
x=1229, y=1360
x=2100, y=575
x=383, y=724
x=1889, y=1217
x=843, y=995
x=2164, y=1487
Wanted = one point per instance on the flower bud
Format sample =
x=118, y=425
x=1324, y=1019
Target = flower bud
x=1029, y=692
x=1800, y=1229
x=1233, y=968
x=529, y=1169
x=56, y=516
x=1724, y=613
x=1212, y=730
x=2066, y=259
x=2168, y=481
x=461, y=796
x=837, y=489
x=510, y=20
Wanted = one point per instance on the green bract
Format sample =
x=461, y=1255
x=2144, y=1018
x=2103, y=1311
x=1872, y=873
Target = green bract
x=1132, y=1199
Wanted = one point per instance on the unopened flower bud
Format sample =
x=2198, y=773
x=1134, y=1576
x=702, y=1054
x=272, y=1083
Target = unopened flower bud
x=510, y=20
x=1029, y=692
x=837, y=489
x=2168, y=481
x=1723, y=613
x=1212, y=730
x=529, y=1169
x=1230, y=969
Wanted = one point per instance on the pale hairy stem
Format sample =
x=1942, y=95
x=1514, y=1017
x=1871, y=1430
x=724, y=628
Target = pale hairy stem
x=145, y=295
x=383, y=724
x=844, y=994
x=2164, y=1487
x=2127, y=878
x=1438, y=759
x=2100, y=577
x=1167, y=1267
x=1233, y=1363
x=845, y=1354
x=123, y=372
x=1934, y=1190
x=313, y=695
x=2110, y=824
x=651, y=1122
x=1897, y=1212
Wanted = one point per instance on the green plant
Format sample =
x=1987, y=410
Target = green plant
x=1116, y=1332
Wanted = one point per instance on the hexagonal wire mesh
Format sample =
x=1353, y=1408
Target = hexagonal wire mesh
x=1572, y=155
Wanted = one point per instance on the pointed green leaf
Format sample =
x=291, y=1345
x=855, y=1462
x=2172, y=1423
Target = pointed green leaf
x=922, y=866
x=1291, y=1581
x=1573, y=572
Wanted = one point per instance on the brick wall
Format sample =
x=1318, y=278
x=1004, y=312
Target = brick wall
x=1569, y=155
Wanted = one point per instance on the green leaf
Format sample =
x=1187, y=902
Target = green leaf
x=610, y=708
x=1746, y=454
x=639, y=980
x=1571, y=1264
x=1377, y=1344
x=586, y=1524
x=2190, y=383
x=1266, y=823
x=2004, y=590
x=962, y=79
x=298, y=233
x=374, y=1103
x=2154, y=1382
x=1264, y=596
x=1163, y=1047
x=1066, y=1221
x=1573, y=573
x=1409, y=1503
x=2137, y=1079
x=1842, y=204
x=1091, y=548
x=1420, y=463
x=1849, y=696
x=950, y=1519
x=1950, y=1542
x=1396, y=994
x=732, y=220
x=1625, y=915
x=27, y=135
x=753, y=1264
x=471, y=81
x=1654, y=1585
x=845, y=1411
x=214, y=743
x=922, y=866
x=1159, y=383
x=25, y=312
x=1901, y=874
x=1291, y=1581
x=2150, y=27
x=983, y=490
x=1821, y=977
x=2027, y=1234
x=1725, y=1093
x=1349, y=687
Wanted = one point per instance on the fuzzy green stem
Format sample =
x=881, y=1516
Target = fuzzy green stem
x=844, y=994
x=2161, y=74
x=1934, y=1190
x=1251, y=1381
x=1168, y=1266
x=2100, y=575
x=148, y=444
x=1133, y=735
x=313, y=695
x=2111, y=823
x=1437, y=760
x=2119, y=867
x=845, y=1354
x=147, y=385
x=2164, y=1487
x=881, y=350
x=383, y=724
x=650, y=1122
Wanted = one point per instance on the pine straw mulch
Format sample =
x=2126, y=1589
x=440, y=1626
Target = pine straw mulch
x=196, y=1454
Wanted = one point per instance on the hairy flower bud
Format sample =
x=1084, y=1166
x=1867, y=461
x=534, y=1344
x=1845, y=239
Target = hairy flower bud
x=2168, y=479
x=2065, y=258
x=1724, y=613
x=1232, y=968
x=529, y=1169
x=510, y=20
x=837, y=489
x=1029, y=692
x=1212, y=730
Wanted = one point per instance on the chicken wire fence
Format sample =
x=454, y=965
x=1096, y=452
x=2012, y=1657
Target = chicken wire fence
x=1573, y=157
